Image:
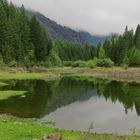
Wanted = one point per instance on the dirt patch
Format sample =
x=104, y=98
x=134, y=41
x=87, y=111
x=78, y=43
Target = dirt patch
x=114, y=73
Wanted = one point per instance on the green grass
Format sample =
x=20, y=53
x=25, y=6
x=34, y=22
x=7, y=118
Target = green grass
x=24, y=75
x=12, y=128
x=3, y=84
x=8, y=93
x=8, y=76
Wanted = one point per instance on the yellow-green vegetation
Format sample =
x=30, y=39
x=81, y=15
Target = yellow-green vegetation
x=8, y=93
x=21, y=75
x=3, y=84
x=12, y=128
x=25, y=75
x=105, y=62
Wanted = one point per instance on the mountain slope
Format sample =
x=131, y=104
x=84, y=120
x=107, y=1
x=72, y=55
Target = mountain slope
x=57, y=31
x=94, y=39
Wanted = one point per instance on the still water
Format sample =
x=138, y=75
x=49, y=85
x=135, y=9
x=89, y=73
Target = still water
x=76, y=102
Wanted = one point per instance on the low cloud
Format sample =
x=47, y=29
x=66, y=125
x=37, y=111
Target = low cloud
x=95, y=16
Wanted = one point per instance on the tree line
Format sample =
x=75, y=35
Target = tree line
x=124, y=49
x=24, y=42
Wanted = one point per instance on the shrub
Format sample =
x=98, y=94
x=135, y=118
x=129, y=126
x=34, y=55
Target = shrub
x=68, y=63
x=54, y=59
x=12, y=63
x=41, y=63
x=125, y=62
x=102, y=53
x=92, y=63
x=135, y=58
x=1, y=60
x=48, y=64
x=106, y=62
x=79, y=63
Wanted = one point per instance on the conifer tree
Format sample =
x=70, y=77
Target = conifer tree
x=39, y=40
x=137, y=37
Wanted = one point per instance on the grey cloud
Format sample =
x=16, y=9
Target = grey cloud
x=94, y=16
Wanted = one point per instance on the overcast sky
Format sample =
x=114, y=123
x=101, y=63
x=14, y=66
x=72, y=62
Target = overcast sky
x=95, y=16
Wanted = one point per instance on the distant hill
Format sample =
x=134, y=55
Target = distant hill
x=91, y=39
x=56, y=31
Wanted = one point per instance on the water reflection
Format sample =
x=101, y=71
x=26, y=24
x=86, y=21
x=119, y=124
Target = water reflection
x=75, y=102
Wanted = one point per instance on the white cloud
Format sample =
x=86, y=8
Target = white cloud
x=94, y=16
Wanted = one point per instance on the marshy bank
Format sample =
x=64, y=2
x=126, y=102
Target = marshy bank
x=131, y=74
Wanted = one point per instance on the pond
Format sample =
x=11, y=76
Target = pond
x=76, y=102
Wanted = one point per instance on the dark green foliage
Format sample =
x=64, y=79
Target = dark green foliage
x=22, y=41
x=137, y=37
x=106, y=62
x=54, y=59
x=101, y=53
x=67, y=63
x=134, y=60
x=1, y=60
x=79, y=63
x=39, y=40
x=70, y=51
x=12, y=63
x=125, y=62
x=124, y=50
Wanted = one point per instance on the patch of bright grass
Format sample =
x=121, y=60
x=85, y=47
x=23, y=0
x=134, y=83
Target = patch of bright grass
x=24, y=75
x=3, y=84
x=7, y=76
x=8, y=93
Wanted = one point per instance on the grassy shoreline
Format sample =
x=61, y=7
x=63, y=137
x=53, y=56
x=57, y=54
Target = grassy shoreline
x=131, y=74
x=12, y=128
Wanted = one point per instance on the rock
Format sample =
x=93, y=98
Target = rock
x=4, y=121
x=23, y=96
x=37, y=70
x=53, y=137
x=47, y=138
x=57, y=137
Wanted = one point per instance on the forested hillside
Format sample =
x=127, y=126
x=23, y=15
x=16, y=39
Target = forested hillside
x=56, y=31
x=23, y=41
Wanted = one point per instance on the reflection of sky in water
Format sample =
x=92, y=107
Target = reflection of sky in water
x=74, y=103
x=107, y=117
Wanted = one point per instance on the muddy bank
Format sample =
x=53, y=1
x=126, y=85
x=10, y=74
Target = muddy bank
x=114, y=73
x=117, y=73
